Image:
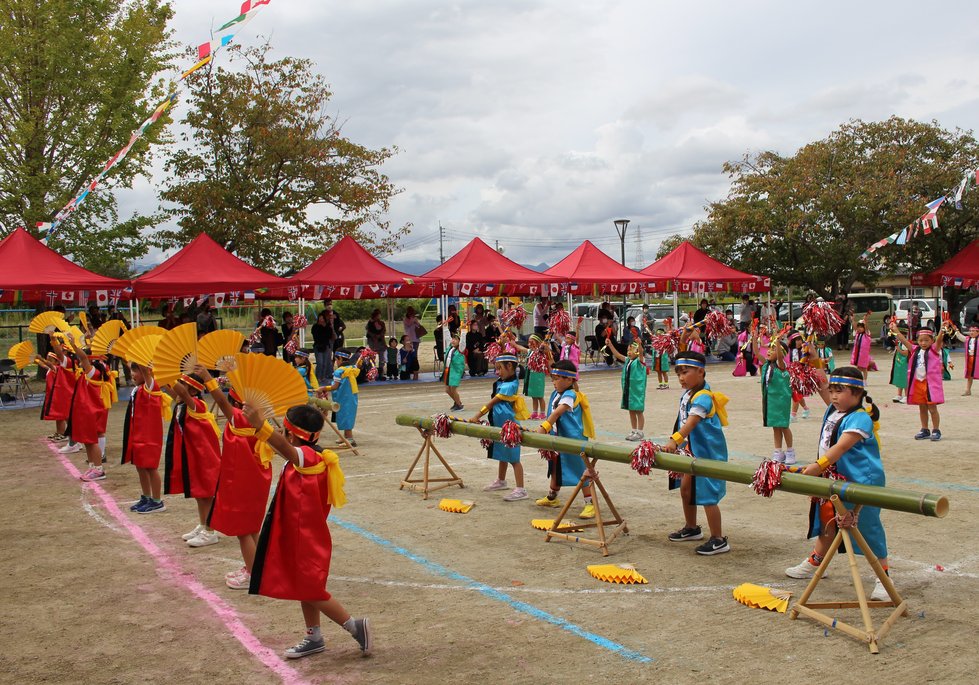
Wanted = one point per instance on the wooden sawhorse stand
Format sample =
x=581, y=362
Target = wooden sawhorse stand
x=567, y=531
x=808, y=609
x=423, y=484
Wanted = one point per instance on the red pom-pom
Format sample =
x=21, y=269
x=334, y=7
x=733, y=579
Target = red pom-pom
x=510, y=434
x=485, y=443
x=537, y=361
x=644, y=457
x=803, y=378
x=513, y=317
x=441, y=425
x=549, y=455
x=372, y=374
x=255, y=338
x=559, y=323
x=767, y=478
x=493, y=350
x=822, y=319
x=368, y=355
x=666, y=342
x=291, y=346
x=674, y=475
x=268, y=322
x=299, y=322
x=717, y=325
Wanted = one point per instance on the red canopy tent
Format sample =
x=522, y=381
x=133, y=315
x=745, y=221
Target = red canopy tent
x=961, y=271
x=478, y=270
x=203, y=267
x=29, y=266
x=688, y=269
x=348, y=271
x=588, y=270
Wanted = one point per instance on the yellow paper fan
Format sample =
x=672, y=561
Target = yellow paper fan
x=104, y=340
x=625, y=574
x=270, y=385
x=48, y=322
x=176, y=354
x=760, y=597
x=456, y=506
x=83, y=317
x=121, y=348
x=73, y=332
x=141, y=351
x=547, y=524
x=217, y=349
x=22, y=353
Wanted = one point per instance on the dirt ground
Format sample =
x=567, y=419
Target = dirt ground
x=480, y=597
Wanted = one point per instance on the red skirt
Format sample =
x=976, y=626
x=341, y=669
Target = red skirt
x=193, y=456
x=243, y=486
x=142, y=432
x=88, y=416
x=59, y=386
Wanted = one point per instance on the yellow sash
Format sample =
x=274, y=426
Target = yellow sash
x=334, y=478
x=166, y=403
x=519, y=406
x=587, y=423
x=720, y=401
x=351, y=373
x=262, y=450
x=205, y=416
x=107, y=389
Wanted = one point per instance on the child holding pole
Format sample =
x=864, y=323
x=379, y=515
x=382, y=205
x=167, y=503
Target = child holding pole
x=506, y=404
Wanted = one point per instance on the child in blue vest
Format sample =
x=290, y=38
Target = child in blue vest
x=345, y=392
x=507, y=404
x=699, y=427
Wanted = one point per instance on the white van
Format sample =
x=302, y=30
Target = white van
x=928, y=314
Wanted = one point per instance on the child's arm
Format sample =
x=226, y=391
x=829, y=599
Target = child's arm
x=615, y=353
x=548, y=423
x=182, y=394
x=486, y=409
x=779, y=353
x=940, y=340
x=899, y=335
x=682, y=433
x=833, y=454
x=823, y=390
x=83, y=359
x=276, y=440
x=219, y=397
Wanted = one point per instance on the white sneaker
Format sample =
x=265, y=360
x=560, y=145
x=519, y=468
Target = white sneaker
x=633, y=436
x=193, y=534
x=496, y=485
x=896, y=399
x=779, y=456
x=902, y=400
x=805, y=413
x=803, y=570
x=204, y=538
x=236, y=572
x=789, y=457
x=71, y=448
x=240, y=581
x=640, y=436
x=880, y=592
x=515, y=495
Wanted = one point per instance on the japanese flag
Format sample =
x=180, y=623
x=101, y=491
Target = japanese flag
x=555, y=289
x=101, y=297
x=466, y=288
x=218, y=299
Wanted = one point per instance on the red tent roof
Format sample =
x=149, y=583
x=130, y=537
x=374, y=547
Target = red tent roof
x=348, y=265
x=27, y=264
x=588, y=267
x=479, y=264
x=961, y=271
x=203, y=267
x=689, y=267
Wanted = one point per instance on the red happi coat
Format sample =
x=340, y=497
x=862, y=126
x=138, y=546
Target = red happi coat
x=88, y=414
x=243, y=486
x=193, y=453
x=142, y=432
x=59, y=386
x=294, y=548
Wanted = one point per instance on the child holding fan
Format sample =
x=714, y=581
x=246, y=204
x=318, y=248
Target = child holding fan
x=699, y=425
x=142, y=437
x=850, y=450
x=506, y=405
x=634, y=372
x=925, y=387
x=59, y=386
x=90, y=410
x=776, y=397
x=294, y=549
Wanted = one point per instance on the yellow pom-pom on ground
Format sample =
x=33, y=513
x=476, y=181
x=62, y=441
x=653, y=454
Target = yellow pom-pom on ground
x=624, y=574
x=760, y=597
x=456, y=506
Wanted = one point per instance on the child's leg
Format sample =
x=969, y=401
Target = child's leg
x=94, y=455
x=864, y=370
x=935, y=419
x=689, y=508
x=248, y=544
x=968, y=391
x=632, y=420
x=501, y=470
x=802, y=403
x=787, y=434
x=330, y=607
x=156, y=485
x=144, y=481
x=713, y=513
x=778, y=438
x=923, y=415
x=61, y=426
x=203, y=508
x=640, y=420
x=517, y=473
x=348, y=434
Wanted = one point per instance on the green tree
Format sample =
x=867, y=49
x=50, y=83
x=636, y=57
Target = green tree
x=75, y=79
x=806, y=219
x=267, y=169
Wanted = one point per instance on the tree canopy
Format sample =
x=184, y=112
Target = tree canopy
x=805, y=219
x=75, y=79
x=267, y=170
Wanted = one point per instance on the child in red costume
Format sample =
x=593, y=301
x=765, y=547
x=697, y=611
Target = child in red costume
x=142, y=437
x=243, y=487
x=90, y=404
x=193, y=455
x=59, y=386
x=294, y=548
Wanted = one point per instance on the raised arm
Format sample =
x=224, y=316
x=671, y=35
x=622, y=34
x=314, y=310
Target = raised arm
x=219, y=397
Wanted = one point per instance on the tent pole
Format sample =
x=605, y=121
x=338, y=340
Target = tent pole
x=676, y=308
x=302, y=331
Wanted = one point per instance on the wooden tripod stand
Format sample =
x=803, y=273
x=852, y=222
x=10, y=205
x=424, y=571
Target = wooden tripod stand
x=808, y=609
x=567, y=531
x=423, y=484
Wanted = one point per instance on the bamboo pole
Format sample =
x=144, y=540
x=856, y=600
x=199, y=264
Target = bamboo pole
x=872, y=495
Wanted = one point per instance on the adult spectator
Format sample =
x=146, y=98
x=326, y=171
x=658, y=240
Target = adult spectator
x=324, y=337
x=170, y=320
x=338, y=325
x=768, y=311
x=476, y=342
x=541, y=311
x=845, y=309
x=914, y=318
x=376, y=334
x=412, y=327
x=748, y=312
x=206, y=323
x=269, y=334
x=287, y=329
x=452, y=321
x=492, y=329
x=701, y=312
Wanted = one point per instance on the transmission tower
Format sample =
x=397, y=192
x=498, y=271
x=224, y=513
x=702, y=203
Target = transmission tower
x=639, y=262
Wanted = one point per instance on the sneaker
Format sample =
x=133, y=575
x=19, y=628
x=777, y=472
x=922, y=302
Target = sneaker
x=896, y=399
x=103, y=458
x=789, y=457
x=793, y=418
x=640, y=436
x=236, y=572
x=515, y=495
x=633, y=436
x=55, y=437
x=353, y=443
x=362, y=634
x=803, y=571
x=93, y=474
x=588, y=512
x=305, y=648
x=152, y=507
x=71, y=448
x=496, y=485
x=880, y=592
x=902, y=400
x=193, y=534
x=805, y=413
x=923, y=434
x=204, y=538
x=547, y=502
x=778, y=456
x=138, y=503
x=936, y=435
x=240, y=581
x=714, y=546
x=455, y=407
x=687, y=533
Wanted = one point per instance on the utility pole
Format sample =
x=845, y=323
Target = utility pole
x=441, y=253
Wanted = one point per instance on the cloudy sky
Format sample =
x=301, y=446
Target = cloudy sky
x=537, y=123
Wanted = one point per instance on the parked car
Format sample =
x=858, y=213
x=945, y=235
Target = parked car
x=902, y=308
x=969, y=312
x=878, y=304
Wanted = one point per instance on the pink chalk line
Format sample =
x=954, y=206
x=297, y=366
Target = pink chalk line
x=166, y=564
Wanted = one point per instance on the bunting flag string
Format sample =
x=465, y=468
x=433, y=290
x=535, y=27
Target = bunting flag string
x=205, y=53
